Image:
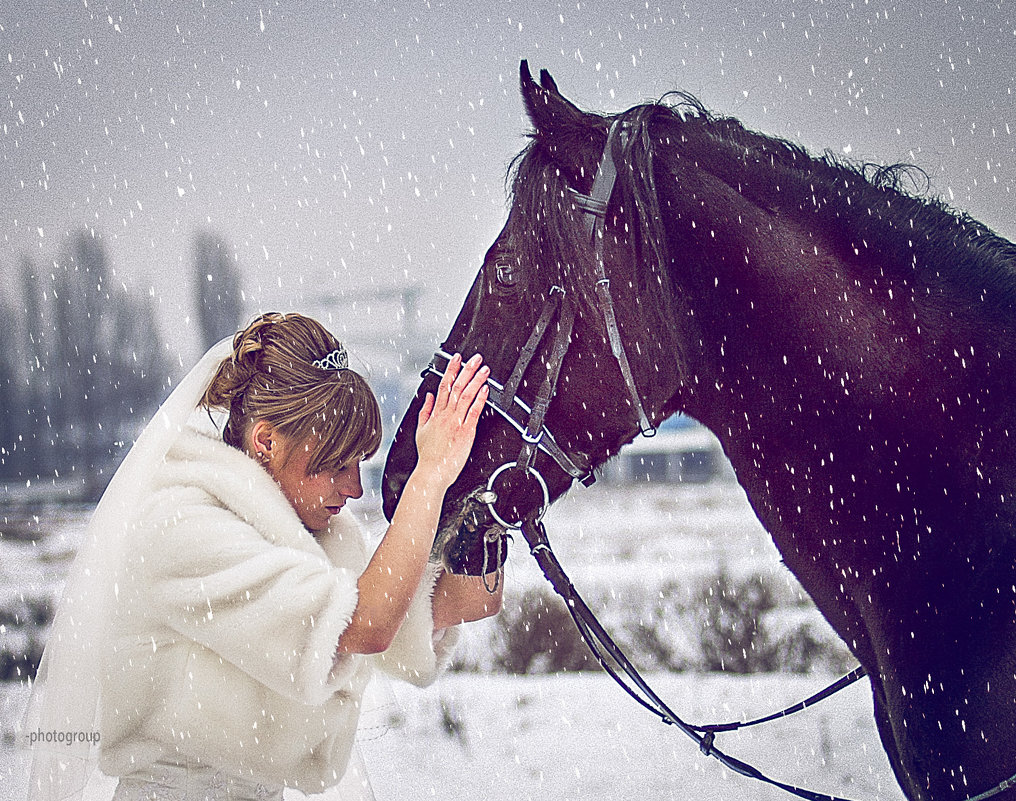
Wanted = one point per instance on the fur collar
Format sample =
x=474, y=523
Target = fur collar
x=201, y=460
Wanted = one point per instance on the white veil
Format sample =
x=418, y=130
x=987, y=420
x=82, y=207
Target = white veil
x=60, y=728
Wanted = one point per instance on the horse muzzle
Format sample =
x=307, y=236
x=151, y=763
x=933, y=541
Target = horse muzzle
x=472, y=541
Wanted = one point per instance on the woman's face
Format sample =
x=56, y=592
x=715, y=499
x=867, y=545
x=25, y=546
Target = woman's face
x=315, y=498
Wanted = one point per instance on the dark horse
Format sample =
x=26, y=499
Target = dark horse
x=852, y=346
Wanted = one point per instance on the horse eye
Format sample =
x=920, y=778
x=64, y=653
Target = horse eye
x=507, y=271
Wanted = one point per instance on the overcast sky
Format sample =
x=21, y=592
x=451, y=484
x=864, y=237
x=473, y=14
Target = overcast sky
x=353, y=147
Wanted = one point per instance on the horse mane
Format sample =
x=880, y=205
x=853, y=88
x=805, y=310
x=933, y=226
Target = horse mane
x=866, y=211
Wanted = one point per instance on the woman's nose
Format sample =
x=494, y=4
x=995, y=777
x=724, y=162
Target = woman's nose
x=349, y=484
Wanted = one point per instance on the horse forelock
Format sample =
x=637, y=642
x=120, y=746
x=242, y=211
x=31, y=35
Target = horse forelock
x=546, y=227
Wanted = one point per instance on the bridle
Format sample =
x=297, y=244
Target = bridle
x=528, y=420
x=536, y=437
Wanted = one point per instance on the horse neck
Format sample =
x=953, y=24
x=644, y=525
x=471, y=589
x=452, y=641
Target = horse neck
x=818, y=372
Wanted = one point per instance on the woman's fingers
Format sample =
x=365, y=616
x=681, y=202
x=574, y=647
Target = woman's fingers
x=465, y=375
x=444, y=389
x=426, y=410
x=476, y=407
x=457, y=393
x=477, y=382
x=447, y=421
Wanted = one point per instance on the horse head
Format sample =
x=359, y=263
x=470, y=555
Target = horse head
x=560, y=405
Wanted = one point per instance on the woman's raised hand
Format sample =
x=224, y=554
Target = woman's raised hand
x=447, y=422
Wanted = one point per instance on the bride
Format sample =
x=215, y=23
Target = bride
x=223, y=616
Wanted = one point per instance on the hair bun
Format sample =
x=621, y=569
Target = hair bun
x=248, y=340
x=237, y=370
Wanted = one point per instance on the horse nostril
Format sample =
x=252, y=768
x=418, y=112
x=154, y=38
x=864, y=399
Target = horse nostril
x=391, y=490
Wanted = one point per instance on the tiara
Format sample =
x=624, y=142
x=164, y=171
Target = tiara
x=338, y=359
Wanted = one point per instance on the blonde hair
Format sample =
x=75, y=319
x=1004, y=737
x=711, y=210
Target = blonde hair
x=270, y=376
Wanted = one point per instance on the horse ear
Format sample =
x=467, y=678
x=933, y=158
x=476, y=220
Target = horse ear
x=547, y=82
x=548, y=110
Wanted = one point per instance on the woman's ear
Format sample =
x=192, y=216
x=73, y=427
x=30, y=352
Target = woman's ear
x=263, y=439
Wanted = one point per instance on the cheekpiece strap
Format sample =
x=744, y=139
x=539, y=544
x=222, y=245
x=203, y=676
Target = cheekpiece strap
x=338, y=359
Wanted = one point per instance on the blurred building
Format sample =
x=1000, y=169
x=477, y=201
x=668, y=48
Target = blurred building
x=683, y=451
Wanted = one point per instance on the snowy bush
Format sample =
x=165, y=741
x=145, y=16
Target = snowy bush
x=537, y=635
x=750, y=624
x=729, y=616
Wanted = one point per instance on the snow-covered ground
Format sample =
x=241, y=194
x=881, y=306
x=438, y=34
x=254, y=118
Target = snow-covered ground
x=483, y=735
x=577, y=736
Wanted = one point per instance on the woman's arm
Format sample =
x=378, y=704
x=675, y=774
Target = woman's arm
x=444, y=436
x=387, y=586
x=460, y=599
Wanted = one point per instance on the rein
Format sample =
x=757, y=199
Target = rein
x=613, y=660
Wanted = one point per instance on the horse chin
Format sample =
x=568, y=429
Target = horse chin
x=472, y=519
